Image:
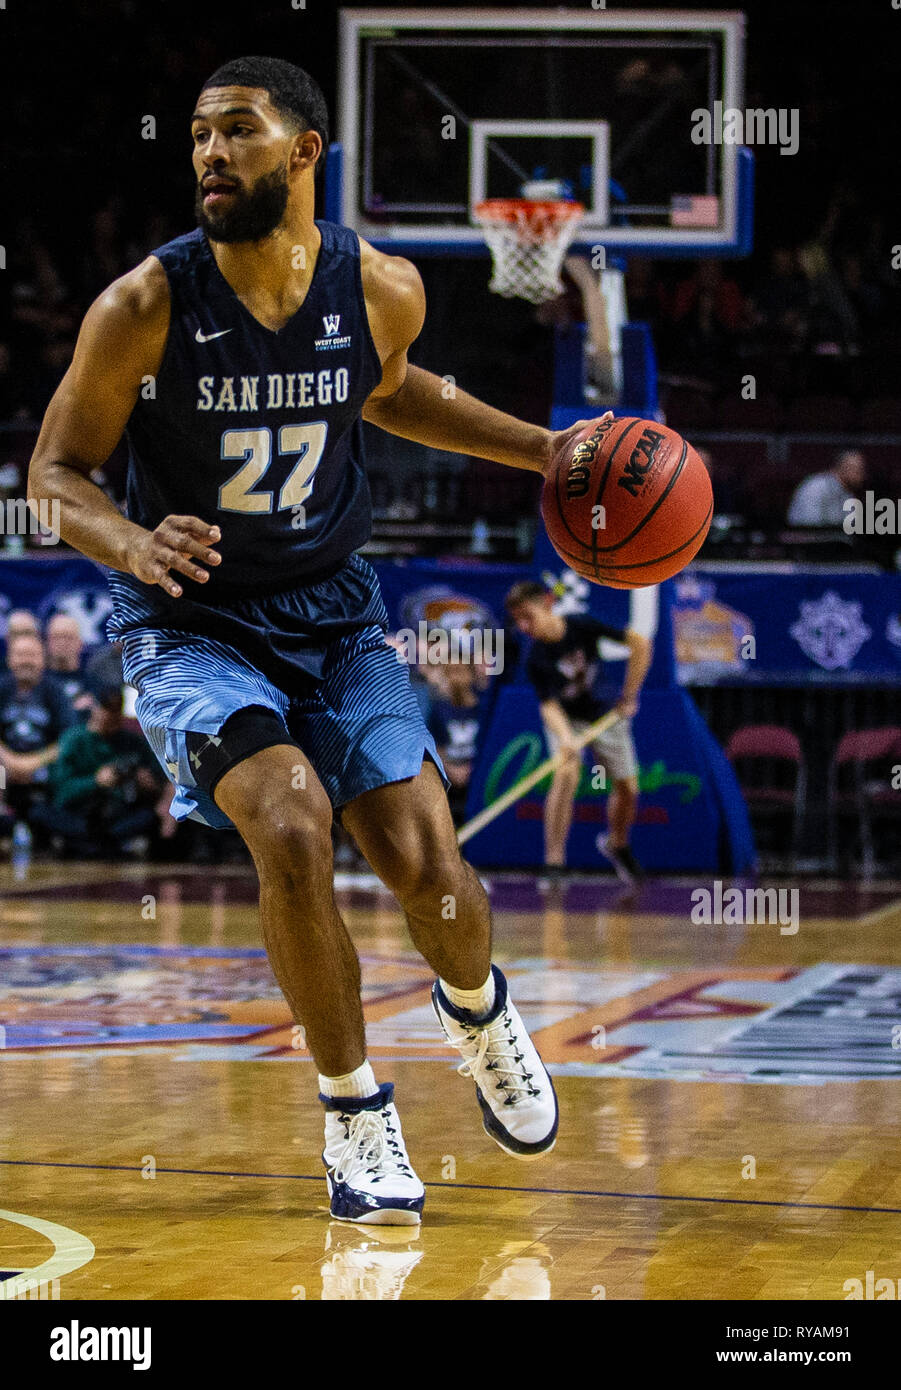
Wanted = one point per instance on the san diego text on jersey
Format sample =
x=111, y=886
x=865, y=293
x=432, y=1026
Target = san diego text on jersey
x=279, y=390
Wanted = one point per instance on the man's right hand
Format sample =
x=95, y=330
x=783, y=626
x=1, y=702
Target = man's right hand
x=174, y=545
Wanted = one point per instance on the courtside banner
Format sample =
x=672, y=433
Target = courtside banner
x=834, y=627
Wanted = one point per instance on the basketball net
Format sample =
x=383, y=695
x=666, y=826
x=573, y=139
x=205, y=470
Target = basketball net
x=528, y=240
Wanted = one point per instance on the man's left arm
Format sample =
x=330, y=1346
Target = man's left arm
x=418, y=405
x=21, y=767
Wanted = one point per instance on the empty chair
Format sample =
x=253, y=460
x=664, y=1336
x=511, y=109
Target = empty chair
x=771, y=771
x=860, y=786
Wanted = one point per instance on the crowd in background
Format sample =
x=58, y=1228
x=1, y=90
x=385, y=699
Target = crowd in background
x=76, y=776
x=816, y=316
x=836, y=295
x=78, y=779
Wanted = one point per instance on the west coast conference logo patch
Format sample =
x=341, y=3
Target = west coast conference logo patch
x=763, y=1024
x=331, y=324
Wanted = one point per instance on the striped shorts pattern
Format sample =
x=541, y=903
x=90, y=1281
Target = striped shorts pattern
x=356, y=720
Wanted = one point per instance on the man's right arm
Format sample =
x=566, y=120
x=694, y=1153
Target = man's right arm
x=120, y=345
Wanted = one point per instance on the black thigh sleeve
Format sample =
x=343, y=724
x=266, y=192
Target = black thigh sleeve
x=243, y=733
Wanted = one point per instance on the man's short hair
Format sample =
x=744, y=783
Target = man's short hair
x=293, y=93
x=527, y=591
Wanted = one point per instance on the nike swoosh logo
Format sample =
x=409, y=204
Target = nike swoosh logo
x=207, y=337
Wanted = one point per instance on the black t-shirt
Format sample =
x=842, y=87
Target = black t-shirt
x=31, y=722
x=455, y=729
x=569, y=670
x=72, y=683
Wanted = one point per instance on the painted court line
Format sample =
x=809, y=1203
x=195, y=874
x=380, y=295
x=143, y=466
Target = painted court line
x=878, y=915
x=71, y=1251
x=467, y=1186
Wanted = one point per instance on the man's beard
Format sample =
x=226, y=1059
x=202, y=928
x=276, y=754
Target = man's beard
x=252, y=215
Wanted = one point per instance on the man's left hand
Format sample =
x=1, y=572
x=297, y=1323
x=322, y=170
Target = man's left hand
x=559, y=439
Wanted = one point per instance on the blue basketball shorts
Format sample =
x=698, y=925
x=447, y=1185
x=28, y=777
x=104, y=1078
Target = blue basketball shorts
x=315, y=655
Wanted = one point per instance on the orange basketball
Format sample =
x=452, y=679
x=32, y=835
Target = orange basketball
x=627, y=503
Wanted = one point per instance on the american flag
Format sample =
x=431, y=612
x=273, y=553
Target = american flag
x=690, y=210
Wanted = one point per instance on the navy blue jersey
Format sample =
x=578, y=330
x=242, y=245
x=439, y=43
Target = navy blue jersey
x=257, y=432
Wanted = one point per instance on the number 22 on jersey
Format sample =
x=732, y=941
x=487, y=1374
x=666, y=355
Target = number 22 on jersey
x=254, y=448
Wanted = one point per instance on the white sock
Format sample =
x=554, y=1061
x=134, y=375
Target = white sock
x=358, y=1084
x=476, y=1001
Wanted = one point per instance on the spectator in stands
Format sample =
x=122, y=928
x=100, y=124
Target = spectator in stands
x=710, y=299
x=38, y=292
x=642, y=290
x=19, y=621
x=781, y=302
x=105, y=666
x=53, y=363
x=834, y=328
x=106, y=782
x=865, y=296
x=104, y=258
x=34, y=713
x=65, y=657
x=454, y=724
x=706, y=313
x=819, y=500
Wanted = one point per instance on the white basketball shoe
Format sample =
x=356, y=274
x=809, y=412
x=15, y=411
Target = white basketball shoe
x=369, y=1176
x=515, y=1092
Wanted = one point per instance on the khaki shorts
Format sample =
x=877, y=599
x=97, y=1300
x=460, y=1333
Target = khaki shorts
x=614, y=751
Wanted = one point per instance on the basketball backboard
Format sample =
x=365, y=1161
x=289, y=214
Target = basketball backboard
x=439, y=108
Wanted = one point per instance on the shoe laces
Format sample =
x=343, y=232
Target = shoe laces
x=372, y=1146
x=498, y=1053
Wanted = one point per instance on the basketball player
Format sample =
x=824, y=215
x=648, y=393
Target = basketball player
x=239, y=360
x=564, y=668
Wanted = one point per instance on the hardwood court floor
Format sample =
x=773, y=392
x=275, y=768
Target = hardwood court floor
x=728, y=1097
